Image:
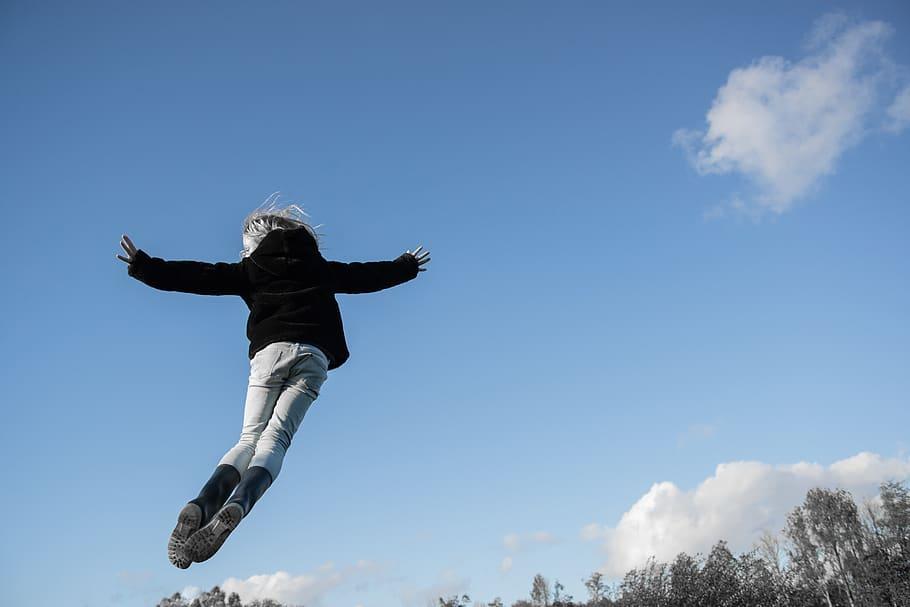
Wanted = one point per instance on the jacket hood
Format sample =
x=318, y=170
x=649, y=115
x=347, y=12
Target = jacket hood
x=286, y=252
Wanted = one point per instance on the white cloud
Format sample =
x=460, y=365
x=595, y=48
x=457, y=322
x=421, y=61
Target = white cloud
x=737, y=503
x=284, y=587
x=190, y=592
x=899, y=112
x=307, y=588
x=783, y=125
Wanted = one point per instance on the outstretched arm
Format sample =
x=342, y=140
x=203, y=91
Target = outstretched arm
x=186, y=276
x=371, y=276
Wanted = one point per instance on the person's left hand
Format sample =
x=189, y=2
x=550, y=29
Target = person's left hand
x=129, y=247
x=422, y=258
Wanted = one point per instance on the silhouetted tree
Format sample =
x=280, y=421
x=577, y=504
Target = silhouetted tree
x=455, y=601
x=893, y=543
x=684, y=581
x=560, y=598
x=175, y=600
x=213, y=598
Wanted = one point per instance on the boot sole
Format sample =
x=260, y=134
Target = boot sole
x=187, y=523
x=203, y=544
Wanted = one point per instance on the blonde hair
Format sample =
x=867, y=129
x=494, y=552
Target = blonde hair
x=272, y=216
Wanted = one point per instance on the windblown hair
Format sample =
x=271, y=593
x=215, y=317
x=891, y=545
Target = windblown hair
x=272, y=216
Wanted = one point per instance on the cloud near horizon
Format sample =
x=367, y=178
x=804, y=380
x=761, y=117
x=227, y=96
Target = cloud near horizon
x=308, y=588
x=739, y=502
x=783, y=125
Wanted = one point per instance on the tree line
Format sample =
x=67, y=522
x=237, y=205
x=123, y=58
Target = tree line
x=832, y=552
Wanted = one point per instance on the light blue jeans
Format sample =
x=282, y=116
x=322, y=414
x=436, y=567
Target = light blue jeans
x=285, y=378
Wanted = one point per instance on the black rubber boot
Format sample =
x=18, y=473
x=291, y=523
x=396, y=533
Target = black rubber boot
x=217, y=490
x=198, y=511
x=255, y=481
x=203, y=544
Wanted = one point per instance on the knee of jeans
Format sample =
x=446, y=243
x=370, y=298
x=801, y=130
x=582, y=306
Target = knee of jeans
x=279, y=436
x=248, y=441
x=249, y=437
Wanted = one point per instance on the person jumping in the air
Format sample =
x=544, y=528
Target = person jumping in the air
x=296, y=337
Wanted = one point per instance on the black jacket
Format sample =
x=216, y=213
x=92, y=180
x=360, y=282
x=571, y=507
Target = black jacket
x=287, y=285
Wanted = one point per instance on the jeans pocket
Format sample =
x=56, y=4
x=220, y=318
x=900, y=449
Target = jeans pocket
x=309, y=373
x=264, y=362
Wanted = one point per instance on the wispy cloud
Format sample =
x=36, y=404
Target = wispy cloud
x=515, y=542
x=737, y=503
x=899, y=112
x=783, y=125
x=695, y=433
x=449, y=583
x=506, y=565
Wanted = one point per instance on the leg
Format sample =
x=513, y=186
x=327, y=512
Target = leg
x=262, y=393
x=264, y=387
x=300, y=391
x=305, y=377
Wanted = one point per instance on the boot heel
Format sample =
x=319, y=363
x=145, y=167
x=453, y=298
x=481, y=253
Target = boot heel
x=188, y=522
x=203, y=544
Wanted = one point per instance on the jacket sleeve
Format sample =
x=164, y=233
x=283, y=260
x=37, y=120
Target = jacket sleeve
x=371, y=276
x=189, y=276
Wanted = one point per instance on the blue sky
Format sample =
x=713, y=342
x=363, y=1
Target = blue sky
x=625, y=290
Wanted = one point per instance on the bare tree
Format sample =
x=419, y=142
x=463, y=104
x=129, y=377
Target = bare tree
x=770, y=551
x=597, y=588
x=540, y=591
x=455, y=601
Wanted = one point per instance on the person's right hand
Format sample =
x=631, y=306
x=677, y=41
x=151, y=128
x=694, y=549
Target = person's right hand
x=129, y=247
x=421, y=257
